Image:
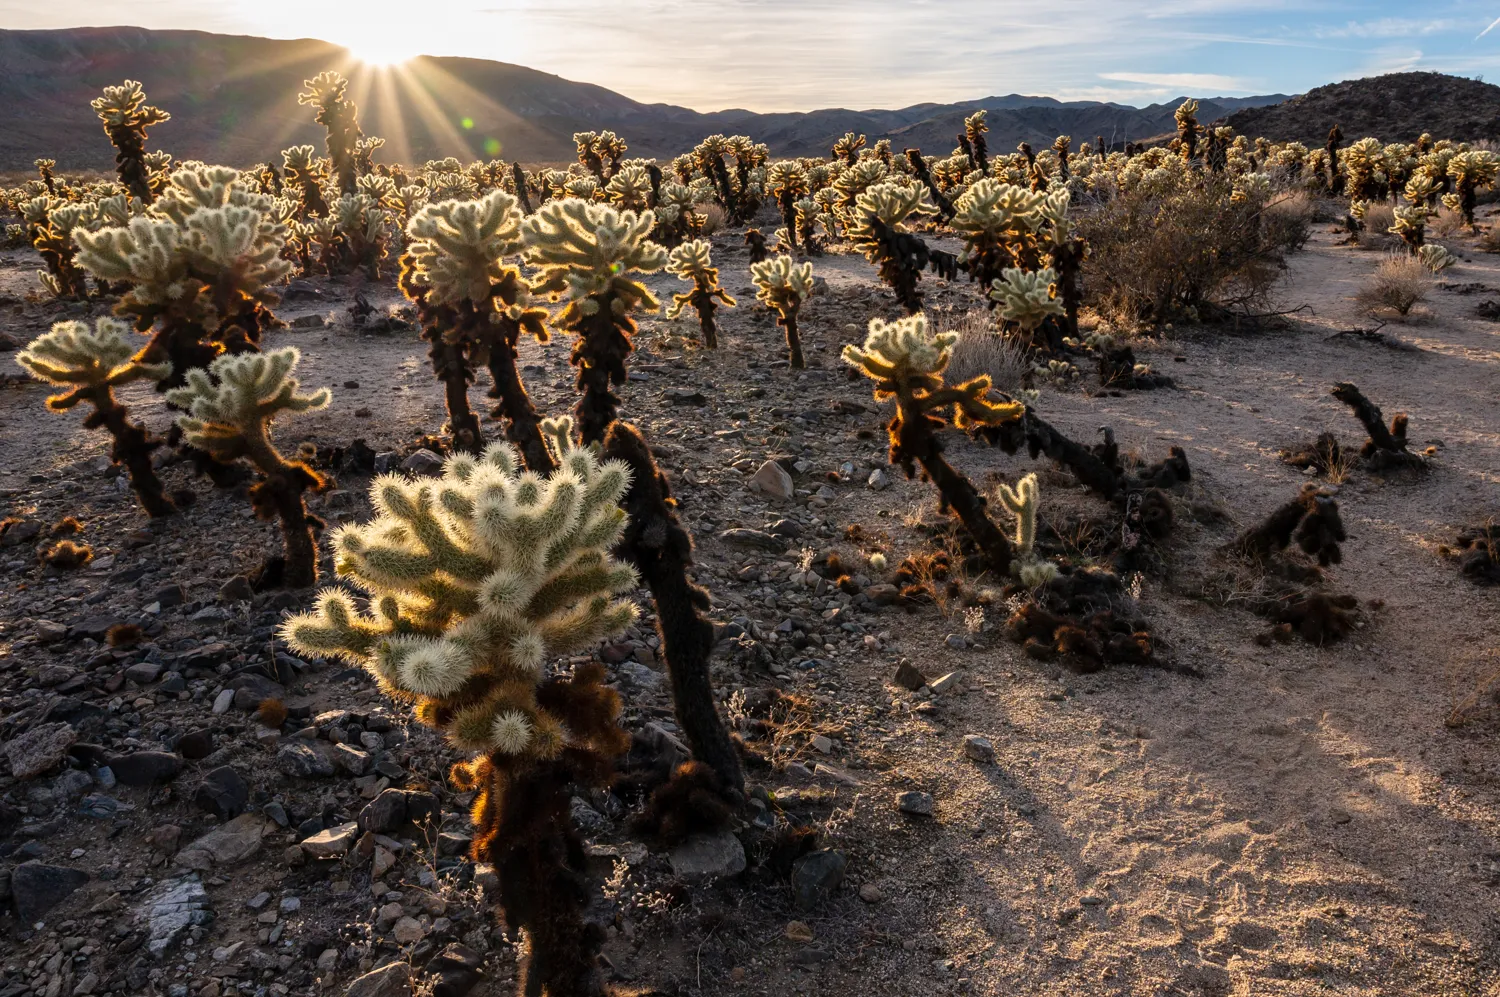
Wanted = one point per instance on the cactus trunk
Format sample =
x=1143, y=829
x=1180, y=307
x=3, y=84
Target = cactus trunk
x=132, y=448
x=522, y=424
x=451, y=364
x=793, y=341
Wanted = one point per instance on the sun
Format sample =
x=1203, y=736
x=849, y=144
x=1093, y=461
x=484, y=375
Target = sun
x=383, y=48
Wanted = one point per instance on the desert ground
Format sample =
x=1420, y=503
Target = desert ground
x=1290, y=820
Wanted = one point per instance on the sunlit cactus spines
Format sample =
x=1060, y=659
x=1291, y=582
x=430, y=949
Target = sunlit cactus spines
x=906, y=361
x=1410, y=223
x=44, y=169
x=126, y=117
x=1186, y=116
x=475, y=581
x=474, y=307
x=878, y=228
x=847, y=148
x=782, y=285
x=691, y=261
x=587, y=254
x=788, y=183
x=1470, y=171
x=973, y=136
x=1026, y=299
x=365, y=228
x=1023, y=502
x=338, y=116
x=997, y=222
x=629, y=189
x=1435, y=257
x=53, y=240
x=90, y=364
x=303, y=175
x=229, y=410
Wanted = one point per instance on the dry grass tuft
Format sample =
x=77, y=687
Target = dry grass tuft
x=1399, y=283
x=1377, y=222
x=66, y=555
x=124, y=635
x=982, y=350
x=714, y=218
x=271, y=713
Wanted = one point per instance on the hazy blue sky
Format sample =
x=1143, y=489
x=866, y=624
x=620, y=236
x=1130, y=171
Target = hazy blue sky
x=800, y=54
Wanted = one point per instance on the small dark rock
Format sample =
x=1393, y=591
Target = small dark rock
x=909, y=677
x=237, y=589
x=196, y=744
x=915, y=803
x=145, y=768
x=385, y=813
x=37, y=888
x=223, y=793
x=459, y=969
x=816, y=875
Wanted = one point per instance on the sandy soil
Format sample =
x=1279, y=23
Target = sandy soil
x=1297, y=821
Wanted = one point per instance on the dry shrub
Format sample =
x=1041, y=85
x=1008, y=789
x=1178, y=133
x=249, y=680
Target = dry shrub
x=982, y=350
x=1376, y=231
x=1489, y=239
x=1288, y=219
x=714, y=217
x=1446, y=224
x=1189, y=252
x=1398, y=284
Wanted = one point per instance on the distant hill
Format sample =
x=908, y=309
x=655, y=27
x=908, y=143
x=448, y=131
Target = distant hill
x=233, y=99
x=1397, y=107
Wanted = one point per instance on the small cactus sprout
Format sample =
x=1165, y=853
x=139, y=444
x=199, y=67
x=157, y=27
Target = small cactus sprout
x=1022, y=502
x=585, y=254
x=230, y=407
x=474, y=308
x=783, y=285
x=906, y=362
x=92, y=363
x=878, y=231
x=326, y=91
x=1435, y=257
x=475, y=582
x=1026, y=300
x=691, y=261
x=126, y=117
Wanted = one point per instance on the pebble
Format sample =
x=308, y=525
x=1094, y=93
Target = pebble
x=916, y=803
x=332, y=843
x=708, y=856
x=979, y=749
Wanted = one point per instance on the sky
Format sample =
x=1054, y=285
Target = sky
x=782, y=55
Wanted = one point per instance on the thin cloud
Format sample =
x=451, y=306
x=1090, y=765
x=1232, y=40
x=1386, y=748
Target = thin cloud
x=1197, y=82
x=1493, y=25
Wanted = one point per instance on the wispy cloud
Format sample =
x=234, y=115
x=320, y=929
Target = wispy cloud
x=1196, y=82
x=1387, y=27
x=1493, y=25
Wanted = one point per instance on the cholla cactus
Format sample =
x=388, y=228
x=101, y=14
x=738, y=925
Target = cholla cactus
x=336, y=114
x=847, y=148
x=365, y=228
x=230, y=407
x=1470, y=171
x=1187, y=128
x=1411, y=225
x=1422, y=189
x=1435, y=257
x=583, y=188
x=304, y=174
x=691, y=261
x=788, y=182
x=919, y=168
x=44, y=170
x=1023, y=502
x=1364, y=173
x=877, y=229
x=92, y=363
x=126, y=117
x=586, y=254
x=973, y=142
x=1026, y=300
x=906, y=362
x=475, y=582
x=53, y=241
x=783, y=285
x=998, y=223
x=201, y=265
x=629, y=189
x=474, y=309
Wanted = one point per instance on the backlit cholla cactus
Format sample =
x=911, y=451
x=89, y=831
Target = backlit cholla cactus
x=1423, y=189
x=475, y=581
x=126, y=117
x=691, y=261
x=91, y=363
x=1066, y=252
x=230, y=407
x=878, y=229
x=305, y=177
x=906, y=361
x=44, y=170
x=201, y=265
x=365, y=229
x=1410, y=224
x=1470, y=171
x=629, y=189
x=586, y=254
x=788, y=183
x=1435, y=257
x=1026, y=301
x=1364, y=170
x=998, y=224
x=847, y=148
x=1023, y=502
x=583, y=188
x=474, y=307
x=676, y=217
x=783, y=285
x=972, y=141
x=1187, y=128
x=53, y=241
x=338, y=116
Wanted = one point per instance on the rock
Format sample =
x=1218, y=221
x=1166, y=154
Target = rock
x=708, y=856
x=384, y=813
x=237, y=589
x=143, y=673
x=979, y=749
x=408, y=931
x=947, y=683
x=352, y=759
x=308, y=322
x=816, y=875
x=423, y=464
x=451, y=843
x=195, y=745
x=252, y=689
x=459, y=970
x=305, y=759
x=169, y=596
x=393, y=980
x=48, y=632
x=172, y=908
x=870, y=893
x=486, y=878
x=36, y=888
x=223, y=793
x=882, y=593
x=754, y=538
x=146, y=768
x=798, y=931
x=908, y=677
x=878, y=480
x=39, y=749
x=382, y=862
x=223, y=701
x=332, y=843
x=686, y=396
x=229, y=845
x=915, y=803
x=93, y=627
x=50, y=675
x=21, y=533
x=772, y=481
x=956, y=641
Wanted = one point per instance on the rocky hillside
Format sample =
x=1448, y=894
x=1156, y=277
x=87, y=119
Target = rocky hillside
x=1395, y=107
x=234, y=99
